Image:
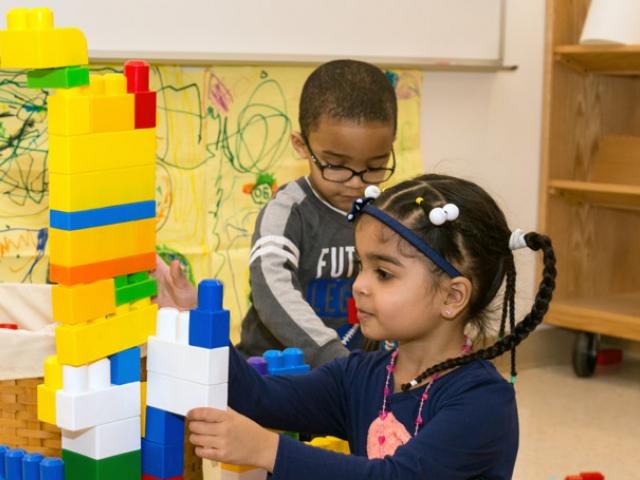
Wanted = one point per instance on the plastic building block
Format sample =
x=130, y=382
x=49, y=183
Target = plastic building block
x=151, y=477
x=194, y=364
x=145, y=110
x=13, y=464
x=333, y=444
x=72, y=152
x=173, y=326
x=31, y=466
x=84, y=191
x=30, y=41
x=122, y=467
x=91, y=245
x=3, y=452
x=81, y=410
x=209, y=323
x=52, y=468
x=112, y=108
x=46, y=409
x=81, y=303
x=241, y=472
x=591, y=476
x=288, y=362
x=137, y=74
x=164, y=428
x=179, y=396
x=85, y=343
x=102, y=270
x=64, y=77
x=162, y=460
x=9, y=326
x=136, y=291
x=259, y=364
x=125, y=366
x=106, y=440
x=53, y=373
x=68, y=113
x=609, y=356
x=352, y=311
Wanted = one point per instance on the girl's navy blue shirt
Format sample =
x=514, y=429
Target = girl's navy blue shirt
x=470, y=427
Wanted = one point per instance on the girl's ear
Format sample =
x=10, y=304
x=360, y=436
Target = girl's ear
x=457, y=297
x=298, y=145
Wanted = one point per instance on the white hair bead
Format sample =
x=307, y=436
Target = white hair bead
x=372, y=191
x=437, y=216
x=452, y=211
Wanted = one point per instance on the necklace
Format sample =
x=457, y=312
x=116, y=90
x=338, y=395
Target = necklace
x=466, y=349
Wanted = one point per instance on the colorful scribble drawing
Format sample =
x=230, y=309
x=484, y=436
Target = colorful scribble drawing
x=223, y=149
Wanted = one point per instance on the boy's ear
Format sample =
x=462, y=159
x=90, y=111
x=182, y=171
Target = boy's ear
x=457, y=297
x=298, y=144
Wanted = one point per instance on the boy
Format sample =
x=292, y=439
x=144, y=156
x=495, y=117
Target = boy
x=302, y=261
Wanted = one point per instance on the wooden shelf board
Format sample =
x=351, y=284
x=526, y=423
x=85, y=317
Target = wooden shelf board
x=604, y=194
x=611, y=59
x=614, y=315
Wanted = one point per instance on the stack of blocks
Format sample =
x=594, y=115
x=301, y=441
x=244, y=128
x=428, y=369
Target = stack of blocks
x=187, y=367
x=16, y=464
x=102, y=242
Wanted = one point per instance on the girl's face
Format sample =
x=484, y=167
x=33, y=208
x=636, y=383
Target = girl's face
x=395, y=294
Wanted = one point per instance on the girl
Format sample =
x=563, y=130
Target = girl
x=434, y=252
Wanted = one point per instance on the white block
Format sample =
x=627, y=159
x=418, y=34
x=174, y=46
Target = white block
x=100, y=374
x=183, y=327
x=75, y=379
x=208, y=366
x=105, y=440
x=167, y=324
x=179, y=396
x=253, y=474
x=77, y=411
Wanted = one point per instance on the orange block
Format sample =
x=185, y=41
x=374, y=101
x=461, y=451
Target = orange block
x=112, y=108
x=81, y=303
x=101, y=270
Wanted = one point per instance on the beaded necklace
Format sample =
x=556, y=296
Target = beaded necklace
x=466, y=349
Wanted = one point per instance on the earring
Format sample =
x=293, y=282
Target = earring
x=448, y=313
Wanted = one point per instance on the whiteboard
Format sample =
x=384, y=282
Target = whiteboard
x=400, y=31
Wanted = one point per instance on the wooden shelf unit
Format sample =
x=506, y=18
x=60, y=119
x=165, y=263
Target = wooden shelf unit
x=590, y=176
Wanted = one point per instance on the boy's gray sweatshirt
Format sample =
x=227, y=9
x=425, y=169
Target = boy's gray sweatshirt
x=302, y=265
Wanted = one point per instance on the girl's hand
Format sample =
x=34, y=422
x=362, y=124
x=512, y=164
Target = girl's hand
x=174, y=288
x=229, y=437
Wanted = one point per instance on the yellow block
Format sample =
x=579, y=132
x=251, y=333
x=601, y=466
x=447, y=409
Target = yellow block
x=112, y=108
x=143, y=408
x=46, y=404
x=69, y=113
x=101, y=151
x=70, y=248
x=85, y=343
x=30, y=41
x=236, y=468
x=52, y=373
x=333, y=444
x=81, y=303
x=83, y=191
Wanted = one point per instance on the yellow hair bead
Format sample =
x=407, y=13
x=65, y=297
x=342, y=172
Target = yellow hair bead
x=419, y=200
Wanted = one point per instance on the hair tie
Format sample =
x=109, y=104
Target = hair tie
x=517, y=240
x=370, y=194
x=439, y=215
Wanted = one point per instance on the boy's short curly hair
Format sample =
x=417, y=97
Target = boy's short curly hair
x=347, y=90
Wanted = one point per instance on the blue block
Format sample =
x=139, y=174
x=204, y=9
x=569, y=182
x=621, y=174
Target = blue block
x=162, y=461
x=125, y=366
x=164, y=428
x=288, y=362
x=3, y=452
x=13, y=464
x=52, y=468
x=97, y=217
x=31, y=466
x=210, y=295
x=209, y=329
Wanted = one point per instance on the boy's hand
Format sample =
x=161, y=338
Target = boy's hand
x=174, y=288
x=229, y=437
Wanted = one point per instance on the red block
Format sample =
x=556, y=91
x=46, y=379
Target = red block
x=9, y=326
x=591, y=476
x=151, y=477
x=145, y=110
x=137, y=73
x=609, y=356
x=352, y=311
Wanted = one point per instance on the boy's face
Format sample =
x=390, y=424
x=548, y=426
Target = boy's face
x=345, y=143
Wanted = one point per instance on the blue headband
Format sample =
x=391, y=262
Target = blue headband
x=410, y=237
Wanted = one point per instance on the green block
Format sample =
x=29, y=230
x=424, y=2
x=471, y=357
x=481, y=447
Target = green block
x=126, y=466
x=137, y=291
x=65, y=77
x=120, y=281
x=137, y=277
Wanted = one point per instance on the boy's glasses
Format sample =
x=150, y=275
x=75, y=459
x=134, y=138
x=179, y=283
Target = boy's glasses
x=339, y=174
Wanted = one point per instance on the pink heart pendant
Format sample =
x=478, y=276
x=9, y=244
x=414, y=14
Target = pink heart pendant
x=381, y=439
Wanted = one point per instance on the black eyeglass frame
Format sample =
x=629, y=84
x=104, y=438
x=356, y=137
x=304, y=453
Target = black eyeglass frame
x=353, y=172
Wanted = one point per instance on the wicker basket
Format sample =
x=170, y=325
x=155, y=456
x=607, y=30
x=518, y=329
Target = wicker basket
x=20, y=428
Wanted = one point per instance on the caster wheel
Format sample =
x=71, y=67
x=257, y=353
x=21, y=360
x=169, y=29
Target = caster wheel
x=585, y=354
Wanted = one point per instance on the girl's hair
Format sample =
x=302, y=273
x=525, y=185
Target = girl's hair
x=477, y=244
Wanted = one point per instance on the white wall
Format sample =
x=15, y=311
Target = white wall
x=486, y=128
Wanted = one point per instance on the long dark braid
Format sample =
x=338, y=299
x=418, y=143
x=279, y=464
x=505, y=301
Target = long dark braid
x=519, y=332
